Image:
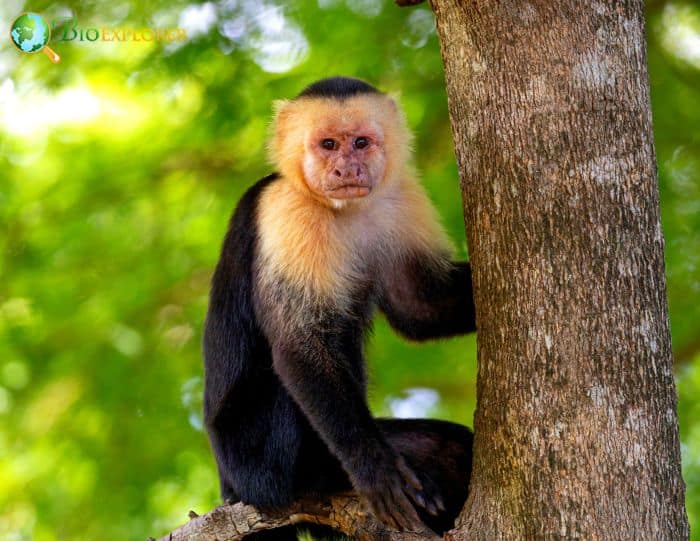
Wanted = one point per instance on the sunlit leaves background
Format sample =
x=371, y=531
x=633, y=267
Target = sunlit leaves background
x=119, y=168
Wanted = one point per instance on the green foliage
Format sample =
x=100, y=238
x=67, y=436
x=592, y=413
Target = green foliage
x=119, y=168
x=306, y=536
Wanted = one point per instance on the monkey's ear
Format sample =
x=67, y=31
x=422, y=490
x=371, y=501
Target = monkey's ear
x=277, y=130
x=278, y=107
x=398, y=123
x=394, y=99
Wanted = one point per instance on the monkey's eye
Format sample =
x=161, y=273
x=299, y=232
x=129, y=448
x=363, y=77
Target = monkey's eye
x=329, y=144
x=361, y=142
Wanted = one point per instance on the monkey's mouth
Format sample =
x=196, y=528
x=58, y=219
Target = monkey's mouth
x=349, y=191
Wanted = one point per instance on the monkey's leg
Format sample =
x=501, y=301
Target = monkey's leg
x=318, y=471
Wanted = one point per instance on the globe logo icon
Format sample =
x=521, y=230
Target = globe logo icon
x=30, y=34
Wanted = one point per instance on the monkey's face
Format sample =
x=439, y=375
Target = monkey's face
x=342, y=151
x=344, y=160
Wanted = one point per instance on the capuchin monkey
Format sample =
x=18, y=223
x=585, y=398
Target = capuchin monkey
x=343, y=227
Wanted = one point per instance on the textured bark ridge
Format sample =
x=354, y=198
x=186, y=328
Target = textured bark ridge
x=576, y=426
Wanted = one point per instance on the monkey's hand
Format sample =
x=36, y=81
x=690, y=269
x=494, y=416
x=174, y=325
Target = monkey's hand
x=388, y=490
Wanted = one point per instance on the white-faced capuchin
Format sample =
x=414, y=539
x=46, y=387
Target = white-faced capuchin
x=343, y=227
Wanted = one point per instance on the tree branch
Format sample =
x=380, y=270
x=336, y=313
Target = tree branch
x=343, y=512
x=406, y=3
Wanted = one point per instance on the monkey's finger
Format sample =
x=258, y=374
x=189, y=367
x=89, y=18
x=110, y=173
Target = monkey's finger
x=422, y=500
x=440, y=503
x=408, y=474
x=433, y=501
x=380, y=505
x=435, y=504
x=379, y=510
x=420, y=497
x=431, y=508
x=437, y=500
x=431, y=496
x=412, y=524
x=389, y=520
x=406, y=514
x=405, y=523
x=392, y=504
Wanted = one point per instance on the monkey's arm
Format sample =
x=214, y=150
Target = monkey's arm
x=320, y=382
x=232, y=338
x=425, y=299
x=234, y=401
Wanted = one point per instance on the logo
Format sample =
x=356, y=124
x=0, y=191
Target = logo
x=72, y=32
x=31, y=34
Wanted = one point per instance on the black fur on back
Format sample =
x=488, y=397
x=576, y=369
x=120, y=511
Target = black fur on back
x=337, y=87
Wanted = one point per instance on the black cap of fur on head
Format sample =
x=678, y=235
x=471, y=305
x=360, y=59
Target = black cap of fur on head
x=337, y=87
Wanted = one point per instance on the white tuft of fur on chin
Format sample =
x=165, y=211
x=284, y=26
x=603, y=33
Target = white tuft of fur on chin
x=339, y=203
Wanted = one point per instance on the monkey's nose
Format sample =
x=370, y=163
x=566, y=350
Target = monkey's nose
x=348, y=172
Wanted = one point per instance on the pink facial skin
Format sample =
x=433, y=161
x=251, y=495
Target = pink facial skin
x=345, y=163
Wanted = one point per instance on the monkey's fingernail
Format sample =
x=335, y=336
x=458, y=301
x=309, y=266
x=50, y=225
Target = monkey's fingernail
x=408, y=474
x=420, y=500
x=413, y=480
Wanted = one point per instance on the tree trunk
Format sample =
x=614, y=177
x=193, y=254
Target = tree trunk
x=576, y=427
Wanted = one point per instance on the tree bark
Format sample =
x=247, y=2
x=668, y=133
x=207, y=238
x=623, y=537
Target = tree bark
x=342, y=512
x=576, y=426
